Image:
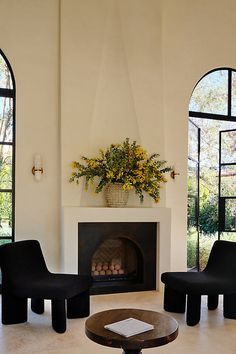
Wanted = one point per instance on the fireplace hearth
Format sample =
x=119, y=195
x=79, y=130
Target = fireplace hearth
x=120, y=256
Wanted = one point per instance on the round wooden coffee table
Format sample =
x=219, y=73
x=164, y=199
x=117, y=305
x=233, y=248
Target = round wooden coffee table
x=165, y=330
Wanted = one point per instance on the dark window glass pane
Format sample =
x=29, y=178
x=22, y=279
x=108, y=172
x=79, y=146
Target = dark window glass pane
x=5, y=214
x=6, y=119
x=193, y=141
x=228, y=147
x=211, y=94
x=228, y=181
x=5, y=75
x=5, y=167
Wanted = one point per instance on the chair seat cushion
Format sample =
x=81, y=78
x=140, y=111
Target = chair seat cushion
x=52, y=286
x=199, y=283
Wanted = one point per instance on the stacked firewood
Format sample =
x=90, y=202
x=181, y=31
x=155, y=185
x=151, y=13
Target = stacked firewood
x=114, y=267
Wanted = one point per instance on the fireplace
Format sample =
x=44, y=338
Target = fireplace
x=72, y=216
x=120, y=256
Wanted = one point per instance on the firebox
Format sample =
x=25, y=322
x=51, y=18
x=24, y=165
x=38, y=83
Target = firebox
x=120, y=256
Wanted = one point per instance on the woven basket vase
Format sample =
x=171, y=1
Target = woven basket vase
x=115, y=195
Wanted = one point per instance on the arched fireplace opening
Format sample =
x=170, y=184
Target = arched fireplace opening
x=120, y=256
x=117, y=258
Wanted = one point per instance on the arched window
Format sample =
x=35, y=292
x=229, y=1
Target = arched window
x=211, y=164
x=214, y=96
x=7, y=151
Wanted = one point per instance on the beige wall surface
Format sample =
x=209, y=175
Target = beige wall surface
x=111, y=77
x=126, y=69
x=29, y=36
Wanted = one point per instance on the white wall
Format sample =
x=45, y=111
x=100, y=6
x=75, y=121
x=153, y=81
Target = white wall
x=29, y=35
x=110, y=74
x=127, y=68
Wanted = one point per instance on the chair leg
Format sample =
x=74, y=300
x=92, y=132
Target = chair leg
x=79, y=305
x=58, y=315
x=212, y=302
x=14, y=309
x=193, y=309
x=37, y=306
x=174, y=301
x=230, y=306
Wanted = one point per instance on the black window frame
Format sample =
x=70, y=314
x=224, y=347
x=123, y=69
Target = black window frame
x=223, y=117
x=10, y=93
x=228, y=117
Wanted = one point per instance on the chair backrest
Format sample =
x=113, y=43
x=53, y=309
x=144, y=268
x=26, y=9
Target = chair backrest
x=21, y=260
x=222, y=259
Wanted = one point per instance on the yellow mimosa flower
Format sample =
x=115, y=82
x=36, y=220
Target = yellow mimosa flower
x=127, y=186
x=110, y=174
x=92, y=163
x=119, y=176
x=140, y=152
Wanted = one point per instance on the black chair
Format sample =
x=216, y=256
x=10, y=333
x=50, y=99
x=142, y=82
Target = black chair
x=219, y=277
x=25, y=275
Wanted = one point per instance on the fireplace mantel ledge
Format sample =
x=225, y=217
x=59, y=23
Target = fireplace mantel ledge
x=71, y=216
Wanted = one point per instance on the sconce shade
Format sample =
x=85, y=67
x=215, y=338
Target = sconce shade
x=37, y=169
x=37, y=162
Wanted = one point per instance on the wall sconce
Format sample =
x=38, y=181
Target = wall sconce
x=173, y=174
x=37, y=169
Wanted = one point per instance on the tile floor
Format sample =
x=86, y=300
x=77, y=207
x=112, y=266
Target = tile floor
x=213, y=334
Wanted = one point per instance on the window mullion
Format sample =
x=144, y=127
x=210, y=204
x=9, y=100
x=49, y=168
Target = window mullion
x=229, y=92
x=6, y=93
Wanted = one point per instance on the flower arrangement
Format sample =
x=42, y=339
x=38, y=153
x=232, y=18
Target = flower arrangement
x=126, y=163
